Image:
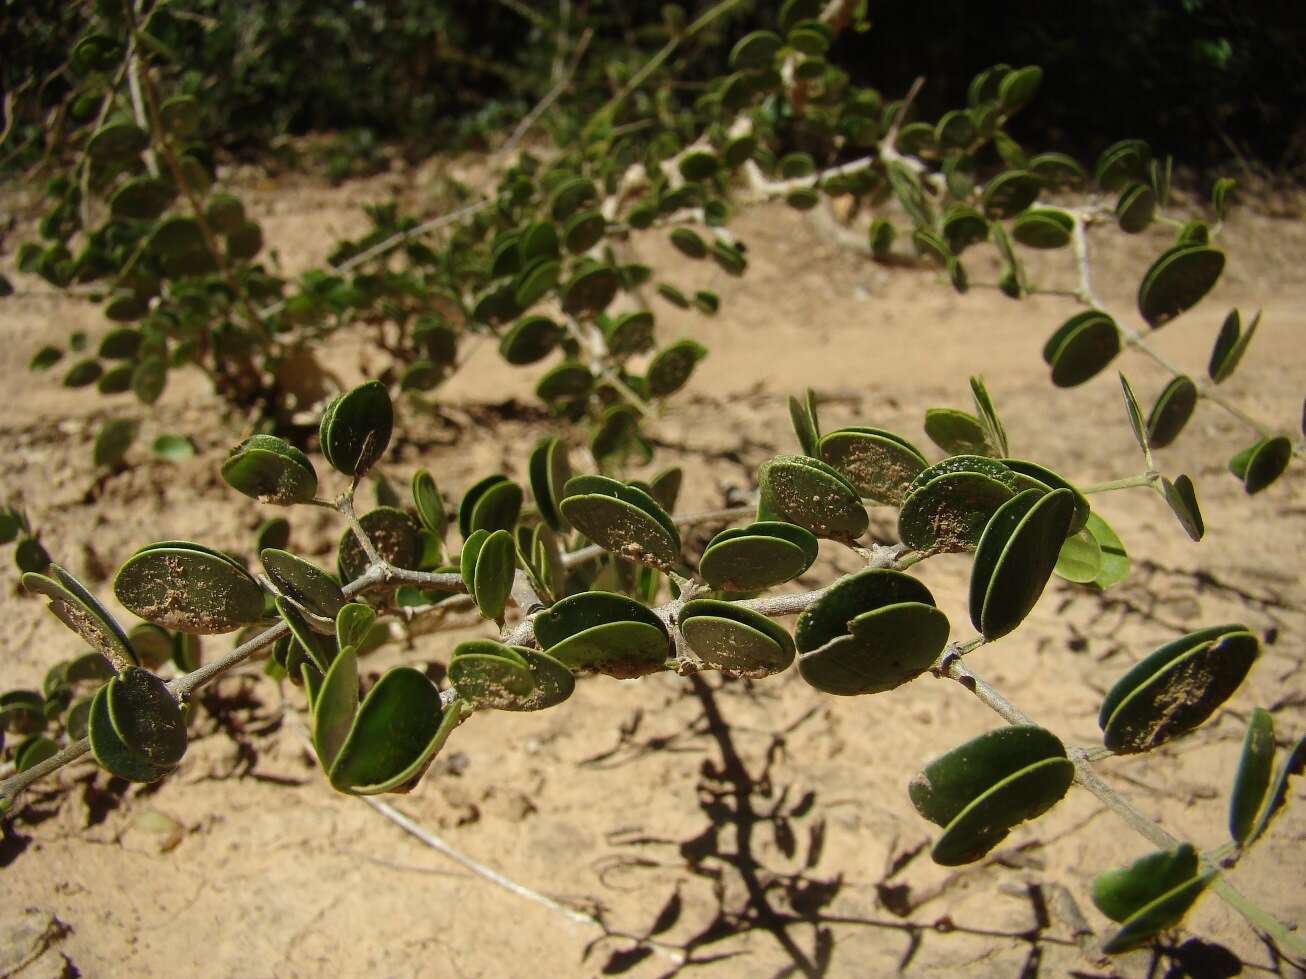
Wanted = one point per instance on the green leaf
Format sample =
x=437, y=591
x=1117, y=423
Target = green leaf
x=82, y=612
x=986, y=787
x=1057, y=170
x=869, y=632
x=1019, y=87
x=549, y=470
x=117, y=142
x=669, y=371
x=806, y=424
x=216, y=594
x=1253, y=779
x=1261, y=463
x=141, y=199
x=1182, y=500
x=811, y=494
x=45, y=358
x=1122, y=892
x=494, y=503
x=1015, y=558
x=622, y=519
x=735, y=639
x=1177, y=281
x=994, y=433
x=356, y=428
x=1081, y=347
x=1176, y=688
x=630, y=333
x=146, y=717
x=948, y=505
x=1294, y=763
x=1135, y=415
x=758, y=556
x=30, y=555
x=1230, y=346
x=271, y=470
x=1122, y=162
x=109, y=749
x=492, y=675
x=148, y=380
x=879, y=464
x=956, y=432
x=1043, y=228
x=315, y=636
x=399, y=728
x=1030, y=475
x=590, y=291
x=698, y=165
x=1136, y=208
x=114, y=439
x=583, y=230
x=151, y=643
x=396, y=536
x=495, y=567
x=173, y=448
x=429, y=503
x=1010, y=192
x=606, y=632
x=304, y=583
x=1174, y=406
x=334, y=706
x=529, y=340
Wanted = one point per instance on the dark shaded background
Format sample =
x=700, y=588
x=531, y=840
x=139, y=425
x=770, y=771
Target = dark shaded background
x=1209, y=81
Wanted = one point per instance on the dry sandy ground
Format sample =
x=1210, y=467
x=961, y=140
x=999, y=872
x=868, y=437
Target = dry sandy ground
x=753, y=829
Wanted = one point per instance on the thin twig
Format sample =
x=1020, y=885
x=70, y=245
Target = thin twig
x=546, y=103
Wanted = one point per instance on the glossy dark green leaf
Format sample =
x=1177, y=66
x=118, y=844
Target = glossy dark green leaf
x=224, y=213
x=529, y=340
x=151, y=643
x=33, y=751
x=429, y=503
x=808, y=492
x=303, y=582
x=1010, y=192
x=1030, y=475
x=605, y=632
x=1182, y=500
x=396, y=536
x=756, y=557
x=492, y=675
x=494, y=503
x=1174, y=406
x=274, y=533
x=315, y=635
x=955, y=130
x=1230, y=346
x=1043, y=228
x=1019, y=86
x=570, y=195
x=31, y=555
x=963, y=227
x=994, y=432
x=956, y=432
x=869, y=632
x=930, y=245
x=755, y=50
x=590, y=291
x=356, y=428
x=879, y=464
x=1262, y=463
x=630, y=333
x=1015, y=558
x=399, y=728
x=1294, y=763
x=109, y=749
x=549, y=471
x=1135, y=414
x=671, y=368
x=270, y=470
x=583, y=230
x=1253, y=779
x=334, y=707
x=1057, y=170
x=1176, y=688
x=1177, y=281
x=983, y=789
x=1136, y=208
x=729, y=637
x=83, y=373
x=45, y=358
x=147, y=717
x=1121, y=162
x=1150, y=895
x=622, y=519
x=82, y=612
x=495, y=567
x=1081, y=347
x=949, y=510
